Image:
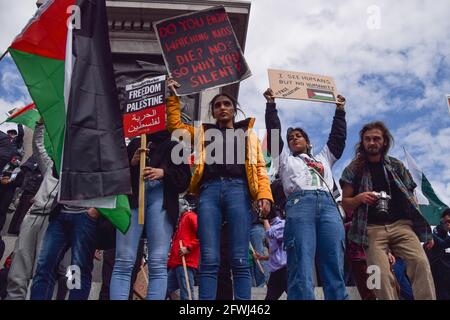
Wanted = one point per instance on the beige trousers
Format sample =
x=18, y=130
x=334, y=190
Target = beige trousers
x=401, y=240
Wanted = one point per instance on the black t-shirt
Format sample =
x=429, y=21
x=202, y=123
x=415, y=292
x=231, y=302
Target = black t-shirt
x=233, y=167
x=397, y=204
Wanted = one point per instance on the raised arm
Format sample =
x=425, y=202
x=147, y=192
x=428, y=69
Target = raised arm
x=338, y=135
x=174, y=112
x=42, y=158
x=19, y=138
x=273, y=125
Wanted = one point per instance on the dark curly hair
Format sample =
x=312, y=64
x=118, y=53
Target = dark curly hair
x=360, y=159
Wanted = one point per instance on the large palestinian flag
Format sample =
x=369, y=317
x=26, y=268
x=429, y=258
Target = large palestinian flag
x=69, y=74
x=430, y=204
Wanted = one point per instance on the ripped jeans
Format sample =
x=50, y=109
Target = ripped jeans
x=224, y=199
x=314, y=227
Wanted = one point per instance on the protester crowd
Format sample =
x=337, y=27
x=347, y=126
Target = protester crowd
x=227, y=226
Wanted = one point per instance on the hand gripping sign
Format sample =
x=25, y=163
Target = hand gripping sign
x=144, y=113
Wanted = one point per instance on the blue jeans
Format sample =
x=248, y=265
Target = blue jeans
x=66, y=230
x=314, y=226
x=224, y=199
x=257, y=237
x=172, y=282
x=177, y=280
x=159, y=232
x=406, y=291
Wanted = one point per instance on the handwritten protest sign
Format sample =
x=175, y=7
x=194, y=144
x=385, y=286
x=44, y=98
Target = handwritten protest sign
x=145, y=107
x=302, y=86
x=201, y=51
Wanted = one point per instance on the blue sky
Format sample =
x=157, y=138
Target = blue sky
x=390, y=59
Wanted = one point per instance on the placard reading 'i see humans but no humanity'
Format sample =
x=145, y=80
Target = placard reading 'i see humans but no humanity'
x=302, y=86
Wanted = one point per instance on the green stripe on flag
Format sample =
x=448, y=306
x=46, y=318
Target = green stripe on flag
x=119, y=216
x=44, y=78
x=433, y=211
x=430, y=205
x=27, y=118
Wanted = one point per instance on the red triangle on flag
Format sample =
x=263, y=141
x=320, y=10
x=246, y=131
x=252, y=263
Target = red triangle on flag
x=22, y=110
x=46, y=33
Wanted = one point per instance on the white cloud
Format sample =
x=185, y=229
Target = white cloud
x=333, y=39
x=14, y=15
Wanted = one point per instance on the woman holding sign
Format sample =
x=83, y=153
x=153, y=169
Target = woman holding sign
x=164, y=180
x=230, y=173
x=313, y=221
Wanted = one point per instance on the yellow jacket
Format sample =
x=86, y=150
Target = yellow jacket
x=255, y=166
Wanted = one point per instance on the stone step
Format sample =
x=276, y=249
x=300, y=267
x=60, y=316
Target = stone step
x=258, y=294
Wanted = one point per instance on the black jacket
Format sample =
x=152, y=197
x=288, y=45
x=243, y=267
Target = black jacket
x=32, y=176
x=17, y=141
x=6, y=150
x=176, y=177
x=439, y=259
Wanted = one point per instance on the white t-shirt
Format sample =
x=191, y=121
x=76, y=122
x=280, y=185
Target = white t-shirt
x=297, y=176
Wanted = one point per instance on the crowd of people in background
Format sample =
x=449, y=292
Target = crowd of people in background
x=227, y=226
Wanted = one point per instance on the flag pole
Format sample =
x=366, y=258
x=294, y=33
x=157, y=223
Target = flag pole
x=186, y=276
x=141, y=178
x=3, y=55
x=258, y=263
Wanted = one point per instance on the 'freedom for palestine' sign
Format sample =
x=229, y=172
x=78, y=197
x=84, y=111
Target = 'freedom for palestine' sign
x=145, y=107
x=201, y=51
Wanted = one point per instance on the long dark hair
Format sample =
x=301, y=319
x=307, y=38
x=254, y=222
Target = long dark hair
x=360, y=159
x=236, y=105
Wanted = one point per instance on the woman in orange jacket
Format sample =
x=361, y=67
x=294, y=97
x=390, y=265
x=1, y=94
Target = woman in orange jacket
x=230, y=173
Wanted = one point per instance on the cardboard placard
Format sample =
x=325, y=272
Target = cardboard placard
x=145, y=107
x=302, y=86
x=201, y=51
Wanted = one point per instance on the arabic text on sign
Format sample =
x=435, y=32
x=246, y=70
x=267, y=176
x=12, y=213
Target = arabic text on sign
x=154, y=122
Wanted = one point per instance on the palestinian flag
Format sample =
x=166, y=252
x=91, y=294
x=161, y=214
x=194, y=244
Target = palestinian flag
x=28, y=116
x=69, y=74
x=430, y=204
x=321, y=95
